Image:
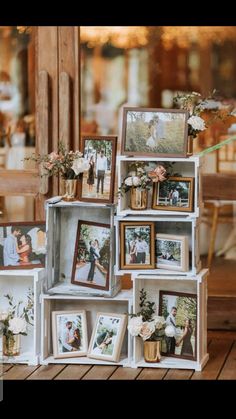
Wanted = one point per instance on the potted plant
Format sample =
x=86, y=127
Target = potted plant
x=138, y=181
x=14, y=322
x=149, y=326
x=67, y=164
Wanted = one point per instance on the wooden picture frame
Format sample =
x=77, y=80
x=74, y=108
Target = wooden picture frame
x=172, y=252
x=22, y=245
x=107, y=337
x=172, y=302
x=69, y=342
x=154, y=132
x=131, y=256
x=91, y=264
x=170, y=195
x=97, y=185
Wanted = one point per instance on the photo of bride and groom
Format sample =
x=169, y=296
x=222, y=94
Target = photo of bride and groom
x=22, y=245
x=92, y=255
x=148, y=131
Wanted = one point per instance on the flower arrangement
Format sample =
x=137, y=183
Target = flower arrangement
x=196, y=105
x=146, y=323
x=139, y=177
x=68, y=164
x=14, y=321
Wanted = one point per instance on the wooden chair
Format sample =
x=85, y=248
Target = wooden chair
x=219, y=208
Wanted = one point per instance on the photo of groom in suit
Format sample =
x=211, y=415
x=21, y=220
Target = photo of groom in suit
x=93, y=255
x=171, y=321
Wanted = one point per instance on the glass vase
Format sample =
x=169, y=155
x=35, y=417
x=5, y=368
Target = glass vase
x=11, y=345
x=70, y=188
x=190, y=145
x=151, y=351
x=138, y=198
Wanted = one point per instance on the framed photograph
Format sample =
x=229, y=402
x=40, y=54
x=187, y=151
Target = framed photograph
x=180, y=312
x=154, y=132
x=175, y=194
x=97, y=184
x=107, y=337
x=172, y=252
x=69, y=333
x=22, y=245
x=137, y=245
x=92, y=255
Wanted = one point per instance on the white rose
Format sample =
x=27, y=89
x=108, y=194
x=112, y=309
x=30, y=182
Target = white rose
x=147, y=329
x=80, y=165
x=197, y=123
x=129, y=181
x=170, y=331
x=3, y=316
x=136, y=181
x=17, y=325
x=135, y=325
x=159, y=322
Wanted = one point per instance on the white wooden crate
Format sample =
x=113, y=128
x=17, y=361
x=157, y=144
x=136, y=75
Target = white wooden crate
x=122, y=303
x=154, y=284
x=61, y=226
x=175, y=225
x=187, y=167
x=17, y=283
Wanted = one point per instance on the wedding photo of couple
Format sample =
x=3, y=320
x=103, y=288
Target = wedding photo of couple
x=92, y=255
x=150, y=132
x=69, y=333
x=22, y=245
x=180, y=312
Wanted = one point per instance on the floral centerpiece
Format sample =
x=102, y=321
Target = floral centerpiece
x=198, y=106
x=67, y=164
x=14, y=322
x=149, y=326
x=139, y=180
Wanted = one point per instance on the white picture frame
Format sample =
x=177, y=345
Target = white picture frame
x=107, y=337
x=172, y=252
x=72, y=342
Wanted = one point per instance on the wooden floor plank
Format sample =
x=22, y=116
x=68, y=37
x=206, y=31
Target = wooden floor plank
x=152, y=374
x=229, y=369
x=73, y=372
x=218, y=351
x=222, y=334
x=175, y=374
x=100, y=372
x=19, y=372
x=46, y=372
x=123, y=373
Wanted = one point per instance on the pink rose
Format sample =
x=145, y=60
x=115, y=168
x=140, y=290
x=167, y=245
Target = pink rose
x=147, y=329
x=158, y=174
x=53, y=156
